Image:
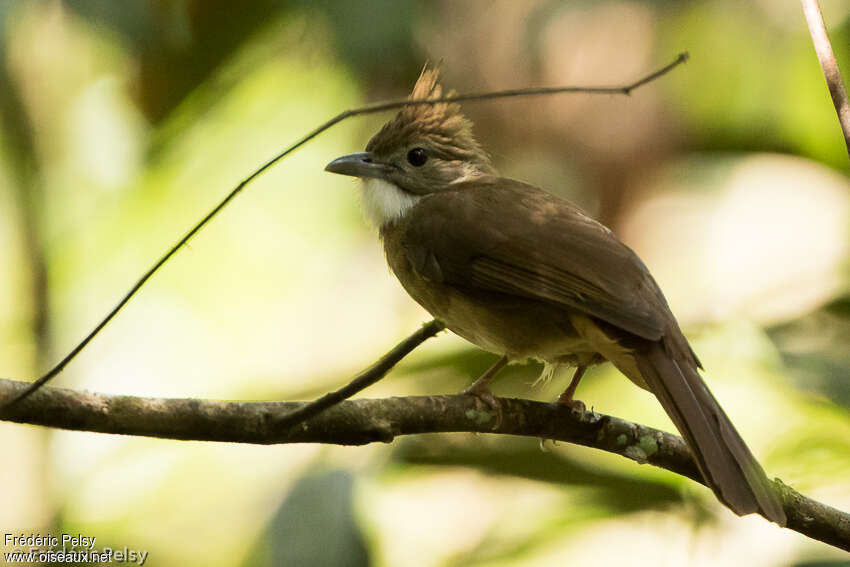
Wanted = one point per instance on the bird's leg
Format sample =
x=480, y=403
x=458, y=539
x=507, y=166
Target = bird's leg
x=481, y=387
x=566, y=398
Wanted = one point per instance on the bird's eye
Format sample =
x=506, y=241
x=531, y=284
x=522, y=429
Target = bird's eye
x=417, y=157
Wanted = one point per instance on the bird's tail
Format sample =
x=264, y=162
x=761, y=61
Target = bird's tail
x=727, y=464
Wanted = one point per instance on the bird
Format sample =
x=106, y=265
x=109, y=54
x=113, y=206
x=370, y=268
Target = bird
x=522, y=273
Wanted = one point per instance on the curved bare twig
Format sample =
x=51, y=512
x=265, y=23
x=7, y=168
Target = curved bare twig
x=823, y=48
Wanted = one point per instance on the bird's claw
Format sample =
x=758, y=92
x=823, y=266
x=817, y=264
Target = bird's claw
x=577, y=407
x=486, y=396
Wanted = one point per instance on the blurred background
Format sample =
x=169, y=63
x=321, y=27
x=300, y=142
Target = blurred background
x=122, y=123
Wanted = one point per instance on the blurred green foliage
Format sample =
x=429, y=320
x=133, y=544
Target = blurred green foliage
x=315, y=525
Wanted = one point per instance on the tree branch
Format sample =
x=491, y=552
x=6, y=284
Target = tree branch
x=362, y=421
x=823, y=48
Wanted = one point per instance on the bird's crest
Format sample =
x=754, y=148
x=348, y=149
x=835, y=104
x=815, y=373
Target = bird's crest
x=442, y=125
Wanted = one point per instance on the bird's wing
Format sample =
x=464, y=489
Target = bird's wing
x=504, y=236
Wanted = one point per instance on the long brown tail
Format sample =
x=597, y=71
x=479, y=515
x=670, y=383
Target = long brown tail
x=727, y=464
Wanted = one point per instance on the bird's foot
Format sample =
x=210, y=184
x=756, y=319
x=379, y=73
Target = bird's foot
x=576, y=406
x=566, y=397
x=483, y=393
x=481, y=389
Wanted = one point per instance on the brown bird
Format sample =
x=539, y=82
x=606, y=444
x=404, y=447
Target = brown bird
x=525, y=274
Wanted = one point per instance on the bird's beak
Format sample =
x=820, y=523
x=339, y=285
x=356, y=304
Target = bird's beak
x=358, y=165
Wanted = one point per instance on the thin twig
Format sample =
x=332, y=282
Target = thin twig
x=364, y=379
x=367, y=109
x=823, y=48
x=362, y=421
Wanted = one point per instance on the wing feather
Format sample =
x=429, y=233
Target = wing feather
x=467, y=238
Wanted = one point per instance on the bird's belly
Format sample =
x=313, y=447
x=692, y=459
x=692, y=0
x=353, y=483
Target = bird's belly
x=517, y=327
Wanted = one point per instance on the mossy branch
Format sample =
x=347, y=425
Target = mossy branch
x=362, y=421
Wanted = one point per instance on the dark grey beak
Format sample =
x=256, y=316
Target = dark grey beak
x=358, y=165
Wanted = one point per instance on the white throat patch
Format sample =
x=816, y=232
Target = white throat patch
x=384, y=202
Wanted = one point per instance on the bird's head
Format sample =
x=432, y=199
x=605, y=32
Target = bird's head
x=424, y=149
